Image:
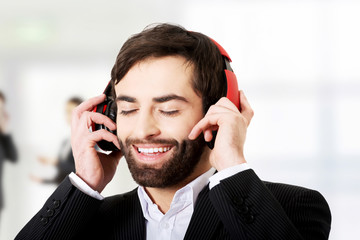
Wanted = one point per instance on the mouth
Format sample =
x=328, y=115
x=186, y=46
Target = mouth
x=152, y=154
x=153, y=150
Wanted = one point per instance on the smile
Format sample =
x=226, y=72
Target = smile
x=153, y=150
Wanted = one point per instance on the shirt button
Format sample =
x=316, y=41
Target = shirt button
x=165, y=225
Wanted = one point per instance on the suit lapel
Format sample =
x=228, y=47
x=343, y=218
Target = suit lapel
x=205, y=220
x=132, y=216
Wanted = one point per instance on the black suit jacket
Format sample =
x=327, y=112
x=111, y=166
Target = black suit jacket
x=7, y=152
x=240, y=207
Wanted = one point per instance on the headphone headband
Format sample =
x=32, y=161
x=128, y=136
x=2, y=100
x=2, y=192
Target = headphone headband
x=222, y=50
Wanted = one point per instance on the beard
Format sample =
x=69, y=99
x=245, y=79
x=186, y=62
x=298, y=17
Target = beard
x=175, y=170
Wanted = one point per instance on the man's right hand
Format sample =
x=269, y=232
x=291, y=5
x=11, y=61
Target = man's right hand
x=96, y=169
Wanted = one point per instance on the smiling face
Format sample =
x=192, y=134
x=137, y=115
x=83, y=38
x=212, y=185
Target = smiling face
x=157, y=108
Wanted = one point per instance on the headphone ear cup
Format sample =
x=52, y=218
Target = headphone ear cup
x=111, y=112
x=109, y=109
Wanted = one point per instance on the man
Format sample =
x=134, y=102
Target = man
x=64, y=163
x=7, y=147
x=168, y=86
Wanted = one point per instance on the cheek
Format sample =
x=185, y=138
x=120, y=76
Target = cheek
x=121, y=131
x=181, y=128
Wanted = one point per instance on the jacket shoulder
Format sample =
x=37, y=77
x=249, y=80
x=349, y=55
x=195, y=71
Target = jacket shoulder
x=283, y=191
x=277, y=210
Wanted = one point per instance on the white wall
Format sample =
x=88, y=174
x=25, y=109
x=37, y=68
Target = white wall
x=297, y=61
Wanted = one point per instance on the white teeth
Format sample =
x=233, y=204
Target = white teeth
x=153, y=150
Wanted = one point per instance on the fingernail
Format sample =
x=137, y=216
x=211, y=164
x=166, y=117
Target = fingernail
x=191, y=135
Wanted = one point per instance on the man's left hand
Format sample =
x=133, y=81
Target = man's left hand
x=231, y=126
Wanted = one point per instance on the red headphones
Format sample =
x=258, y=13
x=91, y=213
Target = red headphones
x=109, y=108
x=232, y=91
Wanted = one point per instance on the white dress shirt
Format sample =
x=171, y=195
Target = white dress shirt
x=174, y=223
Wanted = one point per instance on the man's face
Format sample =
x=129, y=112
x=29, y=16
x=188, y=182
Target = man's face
x=157, y=108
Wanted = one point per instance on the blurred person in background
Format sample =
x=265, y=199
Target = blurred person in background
x=167, y=93
x=7, y=148
x=64, y=162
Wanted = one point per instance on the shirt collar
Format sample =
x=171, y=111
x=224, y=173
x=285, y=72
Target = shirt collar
x=190, y=192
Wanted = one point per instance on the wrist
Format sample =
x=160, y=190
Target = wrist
x=82, y=186
x=225, y=173
x=90, y=181
x=229, y=163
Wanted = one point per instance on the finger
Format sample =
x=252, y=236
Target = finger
x=88, y=105
x=215, y=109
x=98, y=118
x=209, y=122
x=246, y=109
x=208, y=135
x=226, y=103
x=104, y=135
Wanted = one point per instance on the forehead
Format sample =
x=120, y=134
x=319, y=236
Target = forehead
x=171, y=74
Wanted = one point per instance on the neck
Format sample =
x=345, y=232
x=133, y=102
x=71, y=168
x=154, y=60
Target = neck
x=163, y=197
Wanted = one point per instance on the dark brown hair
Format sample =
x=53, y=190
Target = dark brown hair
x=170, y=40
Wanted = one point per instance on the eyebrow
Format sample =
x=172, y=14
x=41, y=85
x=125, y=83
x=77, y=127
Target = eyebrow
x=125, y=99
x=161, y=99
x=169, y=97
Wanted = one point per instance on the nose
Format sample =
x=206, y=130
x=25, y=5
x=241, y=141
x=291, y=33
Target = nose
x=147, y=126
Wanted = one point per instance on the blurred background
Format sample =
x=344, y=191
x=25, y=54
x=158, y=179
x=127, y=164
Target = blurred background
x=297, y=61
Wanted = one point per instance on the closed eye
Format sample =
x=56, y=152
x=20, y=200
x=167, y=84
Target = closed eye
x=170, y=113
x=128, y=112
